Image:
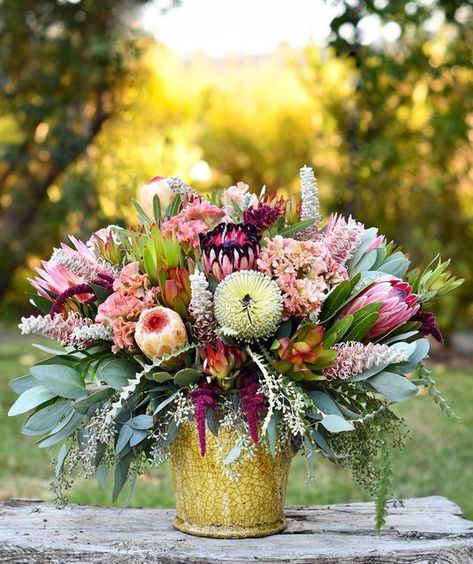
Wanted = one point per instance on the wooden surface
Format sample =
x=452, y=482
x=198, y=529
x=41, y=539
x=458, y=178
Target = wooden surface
x=426, y=530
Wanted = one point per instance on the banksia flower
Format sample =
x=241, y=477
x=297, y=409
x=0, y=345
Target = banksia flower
x=203, y=398
x=228, y=248
x=222, y=362
x=399, y=304
x=310, y=205
x=251, y=404
x=354, y=358
x=160, y=331
x=201, y=308
x=248, y=305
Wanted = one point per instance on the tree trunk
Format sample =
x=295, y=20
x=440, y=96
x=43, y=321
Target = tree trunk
x=28, y=192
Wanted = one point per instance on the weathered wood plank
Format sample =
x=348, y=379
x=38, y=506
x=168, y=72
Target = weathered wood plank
x=424, y=531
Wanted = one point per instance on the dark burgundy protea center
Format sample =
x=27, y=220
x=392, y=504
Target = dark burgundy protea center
x=228, y=248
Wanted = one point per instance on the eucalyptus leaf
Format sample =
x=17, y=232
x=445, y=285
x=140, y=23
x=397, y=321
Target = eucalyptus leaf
x=272, y=433
x=393, y=386
x=173, y=431
x=322, y=443
x=165, y=402
x=121, y=474
x=30, y=399
x=324, y=402
x=141, y=422
x=82, y=405
x=46, y=419
x=67, y=430
x=137, y=437
x=336, y=424
x=233, y=454
x=123, y=438
x=61, y=380
x=23, y=383
x=101, y=475
x=212, y=422
x=117, y=372
x=60, y=458
x=187, y=376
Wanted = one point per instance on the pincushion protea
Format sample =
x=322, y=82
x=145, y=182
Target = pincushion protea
x=228, y=248
x=248, y=305
x=160, y=331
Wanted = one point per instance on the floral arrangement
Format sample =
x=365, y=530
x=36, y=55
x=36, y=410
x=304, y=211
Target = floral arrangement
x=235, y=311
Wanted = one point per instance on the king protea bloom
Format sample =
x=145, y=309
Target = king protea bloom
x=160, y=331
x=399, y=304
x=228, y=248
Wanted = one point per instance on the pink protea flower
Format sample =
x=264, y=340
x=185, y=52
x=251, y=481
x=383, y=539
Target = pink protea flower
x=54, y=279
x=228, y=248
x=251, y=404
x=194, y=220
x=221, y=361
x=399, y=304
x=160, y=331
x=203, y=398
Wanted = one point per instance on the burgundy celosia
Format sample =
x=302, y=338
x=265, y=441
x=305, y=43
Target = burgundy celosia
x=228, y=248
x=429, y=324
x=251, y=404
x=261, y=217
x=399, y=304
x=203, y=398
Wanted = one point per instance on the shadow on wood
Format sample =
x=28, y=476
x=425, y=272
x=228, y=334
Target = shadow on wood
x=424, y=530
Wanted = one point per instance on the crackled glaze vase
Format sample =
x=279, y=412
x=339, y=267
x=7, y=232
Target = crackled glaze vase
x=210, y=504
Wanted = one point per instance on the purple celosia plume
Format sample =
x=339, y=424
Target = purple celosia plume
x=429, y=324
x=251, y=404
x=354, y=357
x=203, y=398
x=399, y=304
x=261, y=217
x=228, y=248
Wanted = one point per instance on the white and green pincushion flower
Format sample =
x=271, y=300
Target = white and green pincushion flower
x=248, y=305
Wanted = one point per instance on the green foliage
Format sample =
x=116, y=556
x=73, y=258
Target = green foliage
x=384, y=485
x=426, y=379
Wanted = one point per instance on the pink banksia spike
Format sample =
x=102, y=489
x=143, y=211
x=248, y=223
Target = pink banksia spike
x=203, y=398
x=251, y=404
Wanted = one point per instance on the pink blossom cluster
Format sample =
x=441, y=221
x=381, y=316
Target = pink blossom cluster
x=132, y=293
x=305, y=271
x=196, y=219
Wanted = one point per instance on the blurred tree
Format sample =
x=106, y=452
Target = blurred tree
x=62, y=65
x=406, y=125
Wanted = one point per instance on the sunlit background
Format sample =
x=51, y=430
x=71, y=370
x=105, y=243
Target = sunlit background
x=96, y=97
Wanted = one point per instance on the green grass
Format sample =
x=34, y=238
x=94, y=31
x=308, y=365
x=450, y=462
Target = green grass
x=438, y=460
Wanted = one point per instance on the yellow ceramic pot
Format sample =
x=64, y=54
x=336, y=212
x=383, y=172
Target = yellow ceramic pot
x=210, y=504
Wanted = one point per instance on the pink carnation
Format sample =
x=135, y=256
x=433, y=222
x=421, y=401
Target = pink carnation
x=197, y=218
x=304, y=270
x=132, y=294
